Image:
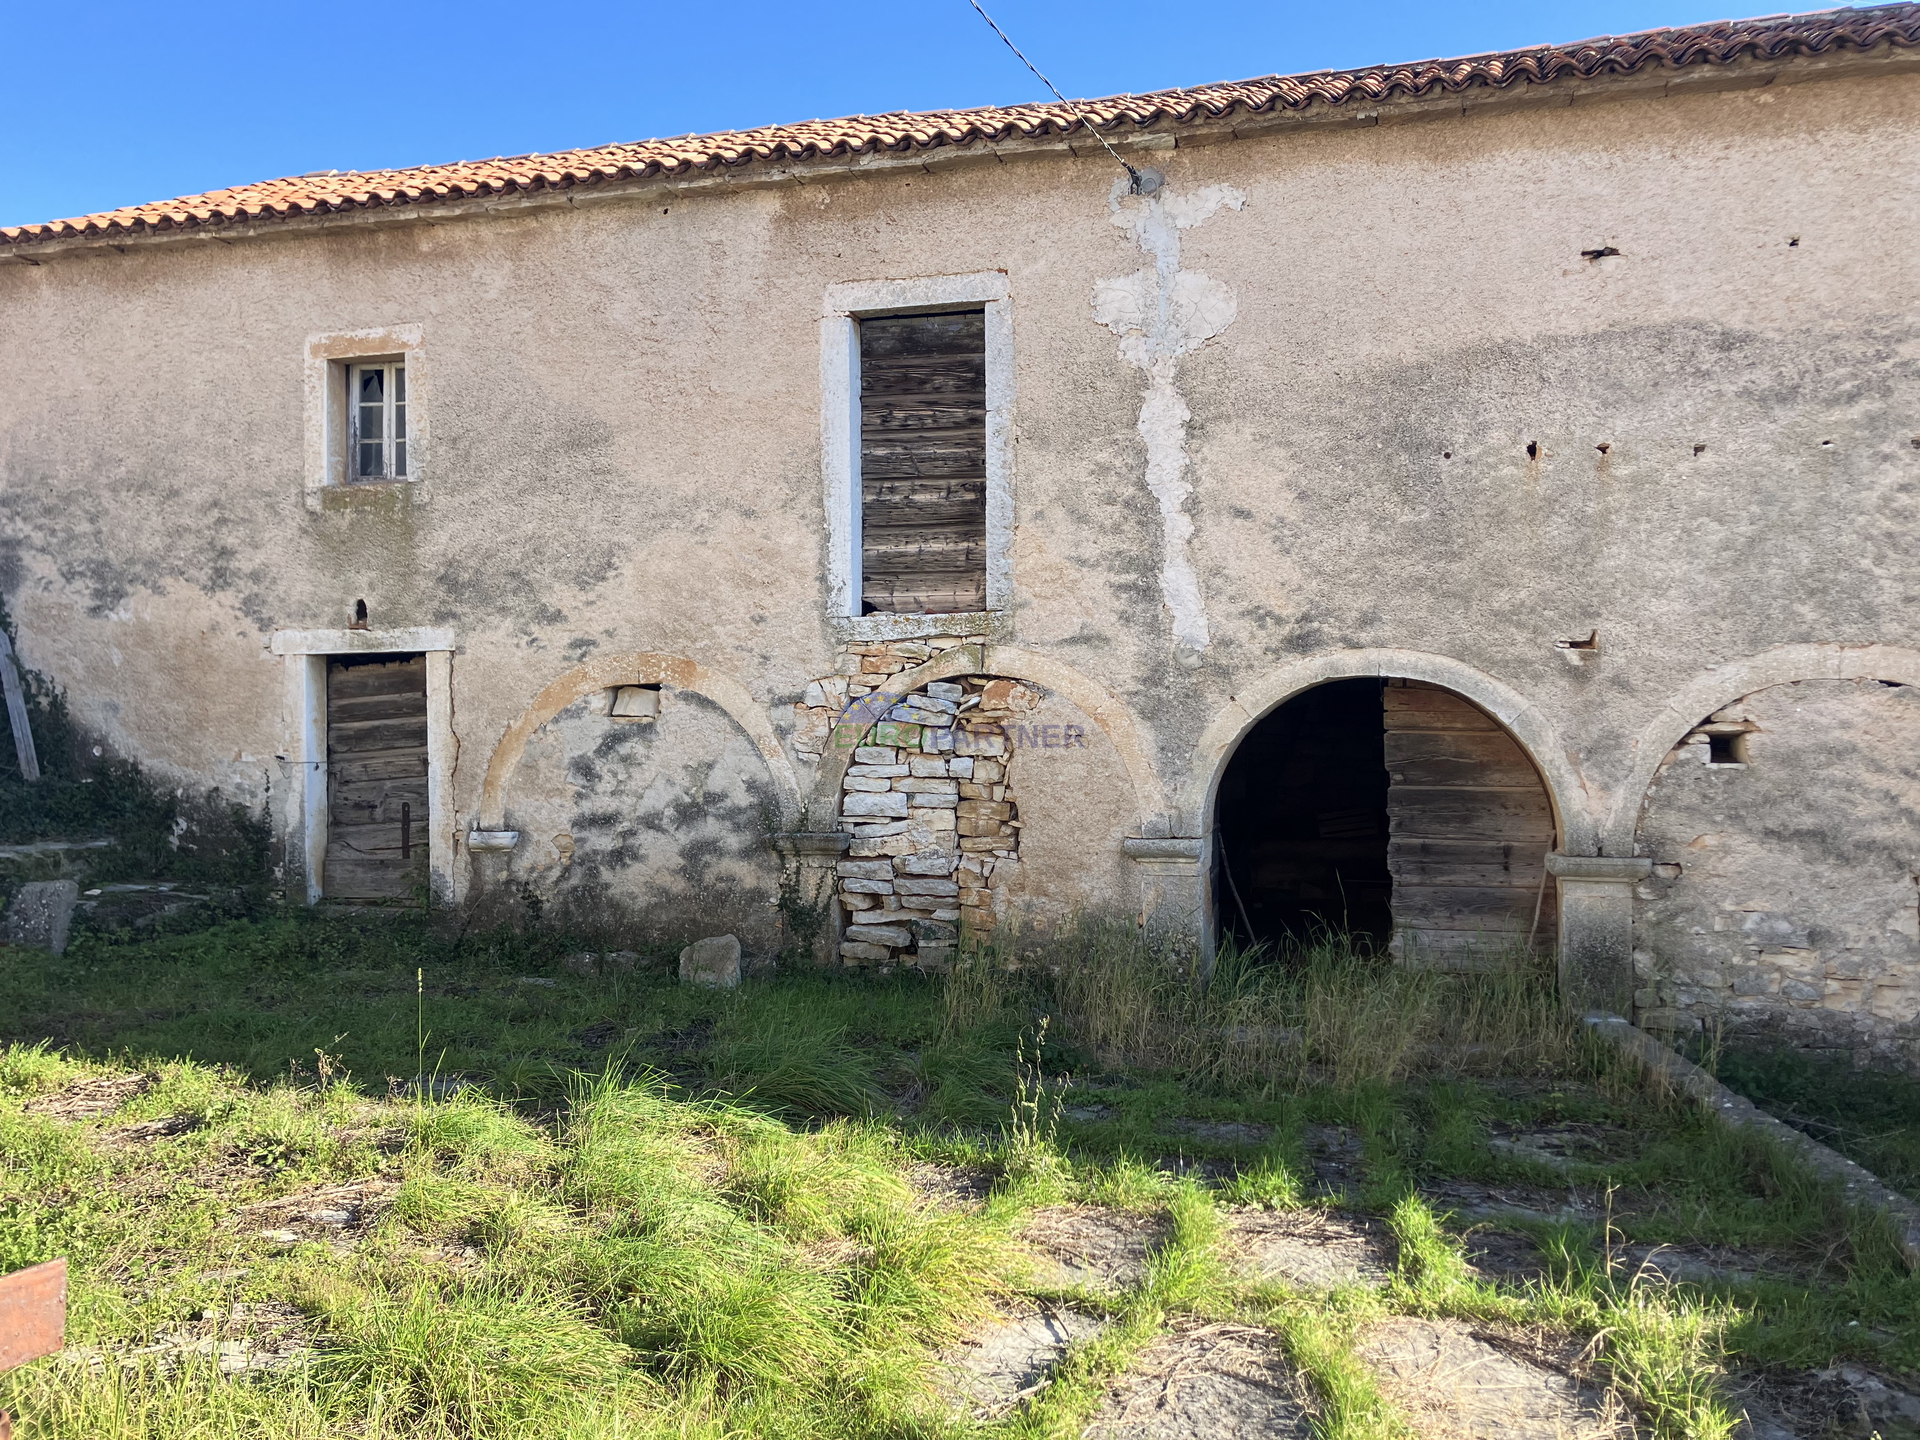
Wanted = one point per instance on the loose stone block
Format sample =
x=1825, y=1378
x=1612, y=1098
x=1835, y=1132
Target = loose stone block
x=972, y=844
x=866, y=887
x=879, y=934
x=875, y=755
x=923, y=885
x=919, y=906
x=891, y=805
x=42, y=914
x=961, y=766
x=927, y=765
x=883, y=828
x=868, y=772
x=934, y=819
x=937, y=741
x=868, y=784
x=949, y=913
x=986, y=809
x=865, y=869
x=855, y=901
x=927, y=862
x=854, y=950
x=977, y=828
x=947, y=691
x=713, y=962
x=989, y=772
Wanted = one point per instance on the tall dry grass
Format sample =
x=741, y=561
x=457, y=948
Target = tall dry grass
x=1325, y=1010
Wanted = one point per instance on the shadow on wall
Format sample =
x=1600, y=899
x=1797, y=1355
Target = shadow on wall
x=644, y=812
x=87, y=792
x=1785, y=835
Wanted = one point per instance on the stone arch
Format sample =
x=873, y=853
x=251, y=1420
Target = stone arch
x=1518, y=716
x=1099, y=705
x=1721, y=686
x=647, y=668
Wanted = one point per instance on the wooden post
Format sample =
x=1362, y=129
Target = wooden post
x=33, y=1319
x=17, y=719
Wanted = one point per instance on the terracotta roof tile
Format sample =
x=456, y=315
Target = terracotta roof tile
x=1721, y=43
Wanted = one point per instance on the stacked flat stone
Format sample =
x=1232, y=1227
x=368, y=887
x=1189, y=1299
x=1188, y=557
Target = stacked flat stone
x=860, y=670
x=935, y=826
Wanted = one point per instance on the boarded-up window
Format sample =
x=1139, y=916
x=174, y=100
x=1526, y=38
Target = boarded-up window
x=923, y=463
x=376, y=778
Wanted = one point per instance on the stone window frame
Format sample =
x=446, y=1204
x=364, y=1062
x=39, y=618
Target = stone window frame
x=327, y=465
x=845, y=305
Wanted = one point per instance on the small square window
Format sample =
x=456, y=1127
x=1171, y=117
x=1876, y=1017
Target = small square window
x=376, y=422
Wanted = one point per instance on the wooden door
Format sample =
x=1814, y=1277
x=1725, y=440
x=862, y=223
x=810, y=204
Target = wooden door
x=1469, y=827
x=376, y=778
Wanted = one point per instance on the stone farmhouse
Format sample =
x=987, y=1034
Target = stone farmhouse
x=1472, y=503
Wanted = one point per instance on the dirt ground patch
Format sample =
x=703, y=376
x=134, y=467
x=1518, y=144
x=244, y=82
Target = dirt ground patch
x=1335, y=1153
x=1455, y=1384
x=1847, y=1402
x=89, y=1099
x=987, y=1374
x=953, y=1187
x=1087, y=1245
x=1312, y=1249
x=337, y=1214
x=1218, y=1382
x=240, y=1339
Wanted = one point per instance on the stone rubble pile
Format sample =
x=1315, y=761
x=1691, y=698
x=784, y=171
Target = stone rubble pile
x=935, y=824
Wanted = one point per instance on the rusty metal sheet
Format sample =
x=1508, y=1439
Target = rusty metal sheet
x=33, y=1313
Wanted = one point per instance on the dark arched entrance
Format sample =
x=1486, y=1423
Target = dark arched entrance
x=1394, y=811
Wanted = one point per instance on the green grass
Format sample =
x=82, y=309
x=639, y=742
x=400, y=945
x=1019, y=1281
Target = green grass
x=1870, y=1117
x=655, y=1211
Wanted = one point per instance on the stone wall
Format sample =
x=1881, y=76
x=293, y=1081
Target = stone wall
x=928, y=799
x=1785, y=835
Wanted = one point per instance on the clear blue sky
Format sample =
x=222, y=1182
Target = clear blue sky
x=112, y=103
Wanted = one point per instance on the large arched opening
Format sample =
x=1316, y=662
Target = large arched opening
x=1392, y=811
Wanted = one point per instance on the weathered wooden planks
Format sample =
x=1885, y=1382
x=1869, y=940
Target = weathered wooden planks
x=377, y=804
x=923, y=459
x=1470, y=824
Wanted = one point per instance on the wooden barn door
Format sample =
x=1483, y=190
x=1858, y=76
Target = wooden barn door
x=376, y=778
x=1469, y=828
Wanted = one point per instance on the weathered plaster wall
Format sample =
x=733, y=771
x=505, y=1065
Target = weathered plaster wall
x=1783, y=901
x=1412, y=418
x=652, y=825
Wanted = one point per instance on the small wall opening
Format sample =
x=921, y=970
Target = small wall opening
x=1393, y=812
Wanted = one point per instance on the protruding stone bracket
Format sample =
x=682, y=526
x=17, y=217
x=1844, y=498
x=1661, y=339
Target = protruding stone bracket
x=812, y=854
x=1596, y=929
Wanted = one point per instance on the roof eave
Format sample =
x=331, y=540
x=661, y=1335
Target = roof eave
x=1237, y=121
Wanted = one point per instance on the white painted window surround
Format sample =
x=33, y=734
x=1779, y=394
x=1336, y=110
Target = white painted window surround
x=330, y=460
x=305, y=819
x=845, y=306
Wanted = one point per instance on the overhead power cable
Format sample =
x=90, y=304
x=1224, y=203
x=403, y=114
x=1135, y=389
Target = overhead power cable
x=1133, y=175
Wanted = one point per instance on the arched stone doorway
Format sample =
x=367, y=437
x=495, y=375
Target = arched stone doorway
x=1393, y=810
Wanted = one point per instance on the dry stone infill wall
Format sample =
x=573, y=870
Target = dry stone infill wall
x=935, y=825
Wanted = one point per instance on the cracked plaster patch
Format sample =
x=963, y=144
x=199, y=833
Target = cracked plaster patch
x=1161, y=313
